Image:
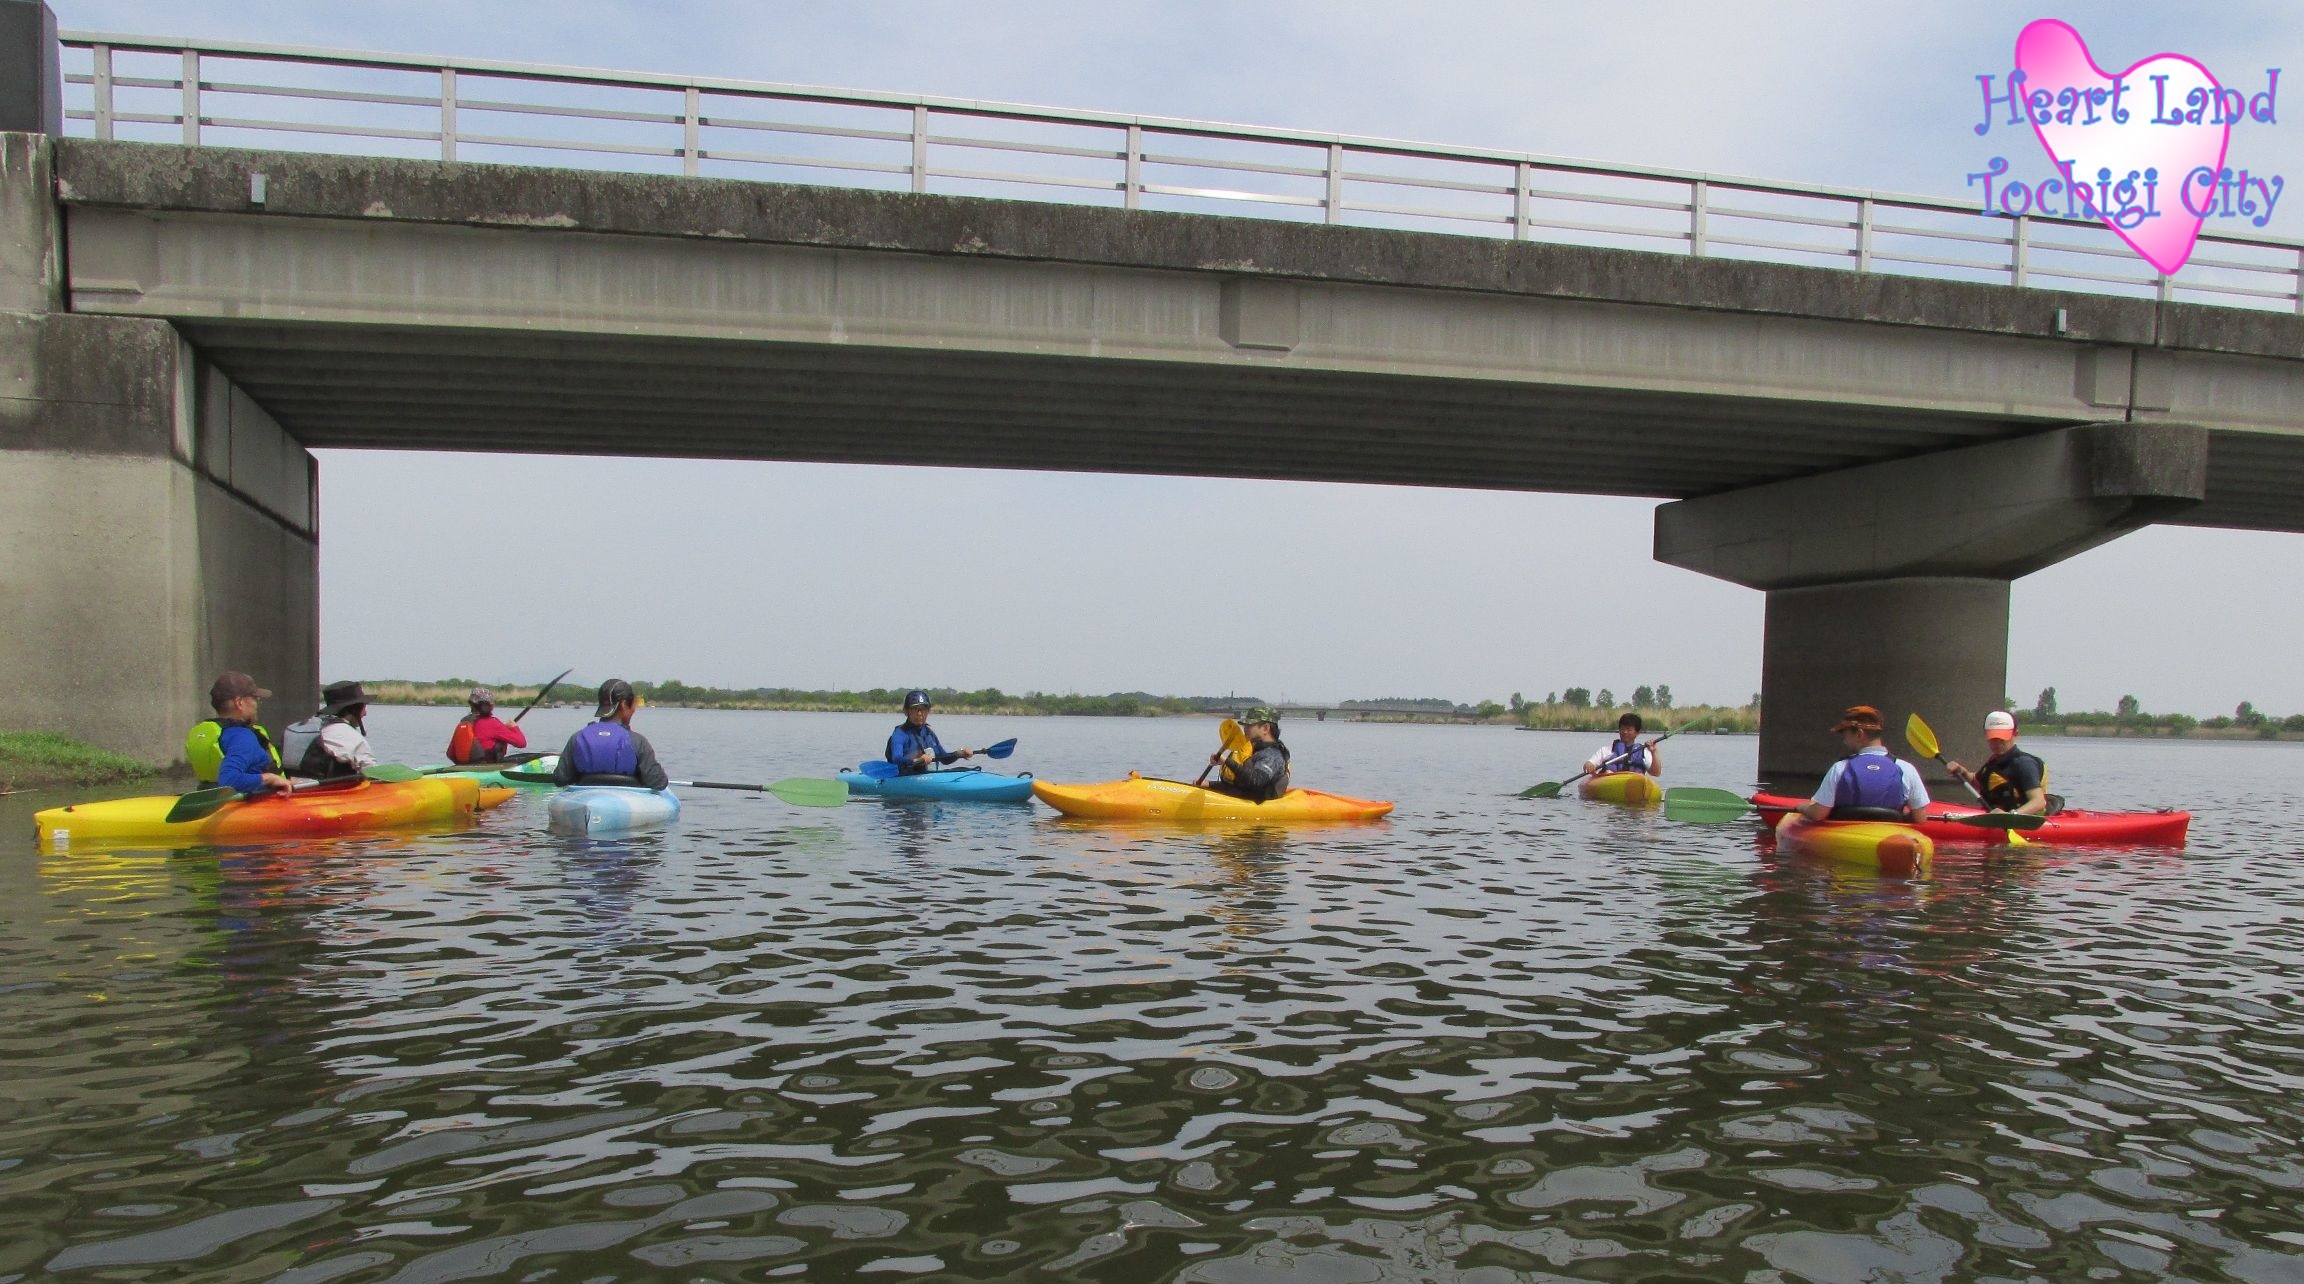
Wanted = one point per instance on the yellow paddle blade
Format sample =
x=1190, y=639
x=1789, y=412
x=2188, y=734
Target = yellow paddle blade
x=1235, y=740
x=1921, y=737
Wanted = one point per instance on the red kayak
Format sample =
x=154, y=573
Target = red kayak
x=2082, y=828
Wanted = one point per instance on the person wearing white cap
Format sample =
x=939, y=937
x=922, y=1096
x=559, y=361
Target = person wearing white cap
x=2011, y=779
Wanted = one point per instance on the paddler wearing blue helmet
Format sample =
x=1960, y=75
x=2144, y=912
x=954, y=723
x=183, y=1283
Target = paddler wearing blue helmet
x=913, y=745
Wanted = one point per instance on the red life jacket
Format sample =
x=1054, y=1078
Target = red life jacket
x=461, y=747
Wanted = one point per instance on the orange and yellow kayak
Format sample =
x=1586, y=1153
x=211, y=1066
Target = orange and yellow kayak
x=1899, y=851
x=323, y=811
x=1146, y=798
x=1624, y=788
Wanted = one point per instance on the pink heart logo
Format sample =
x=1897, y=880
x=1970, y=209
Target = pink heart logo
x=2097, y=151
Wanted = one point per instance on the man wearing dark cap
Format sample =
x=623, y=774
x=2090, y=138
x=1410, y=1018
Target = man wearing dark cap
x=333, y=743
x=230, y=749
x=1870, y=783
x=1264, y=775
x=607, y=751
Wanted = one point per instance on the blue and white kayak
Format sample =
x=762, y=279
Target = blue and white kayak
x=610, y=809
x=964, y=784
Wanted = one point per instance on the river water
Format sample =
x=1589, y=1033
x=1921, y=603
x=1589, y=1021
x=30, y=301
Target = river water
x=1491, y=1039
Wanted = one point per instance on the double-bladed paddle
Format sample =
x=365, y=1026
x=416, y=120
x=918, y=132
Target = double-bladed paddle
x=1552, y=788
x=799, y=791
x=540, y=694
x=884, y=770
x=1700, y=806
x=1922, y=738
x=509, y=760
x=1234, y=740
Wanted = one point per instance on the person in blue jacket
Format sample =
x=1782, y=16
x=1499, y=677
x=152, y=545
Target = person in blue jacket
x=1870, y=783
x=607, y=751
x=230, y=749
x=913, y=745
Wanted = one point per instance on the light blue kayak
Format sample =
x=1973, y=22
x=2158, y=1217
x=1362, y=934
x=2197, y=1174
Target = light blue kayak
x=610, y=809
x=965, y=784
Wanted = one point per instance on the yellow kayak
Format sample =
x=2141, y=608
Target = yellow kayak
x=321, y=811
x=1624, y=788
x=1144, y=798
x=1899, y=851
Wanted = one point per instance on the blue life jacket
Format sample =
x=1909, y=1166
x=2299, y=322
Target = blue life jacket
x=605, y=749
x=1636, y=760
x=1872, y=780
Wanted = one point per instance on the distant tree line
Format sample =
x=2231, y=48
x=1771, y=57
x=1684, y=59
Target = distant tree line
x=672, y=691
x=2130, y=716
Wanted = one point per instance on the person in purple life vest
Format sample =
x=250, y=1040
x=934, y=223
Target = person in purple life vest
x=1625, y=752
x=1870, y=783
x=607, y=751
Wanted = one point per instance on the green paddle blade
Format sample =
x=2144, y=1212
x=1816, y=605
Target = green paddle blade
x=200, y=804
x=1549, y=789
x=391, y=773
x=1700, y=806
x=1921, y=737
x=803, y=792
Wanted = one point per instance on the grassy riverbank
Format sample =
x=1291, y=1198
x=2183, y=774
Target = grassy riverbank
x=676, y=694
x=1716, y=719
x=40, y=759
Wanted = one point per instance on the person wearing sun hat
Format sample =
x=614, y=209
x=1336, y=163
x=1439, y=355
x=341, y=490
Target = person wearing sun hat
x=333, y=743
x=2010, y=779
x=1263, y=776
x=1870, y=783
x=607, y=751
x=913, y=745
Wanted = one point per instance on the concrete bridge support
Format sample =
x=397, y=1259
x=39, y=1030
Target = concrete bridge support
x=156, y=524
x=1888, y=584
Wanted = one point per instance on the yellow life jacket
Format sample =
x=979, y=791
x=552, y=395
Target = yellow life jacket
x=204, y=748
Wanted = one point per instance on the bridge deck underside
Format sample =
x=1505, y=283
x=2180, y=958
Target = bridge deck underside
x=430, y=390
x=407, y=389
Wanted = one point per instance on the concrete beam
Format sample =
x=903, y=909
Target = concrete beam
x=31, y=239
x=31, y=80
x=1994, y=511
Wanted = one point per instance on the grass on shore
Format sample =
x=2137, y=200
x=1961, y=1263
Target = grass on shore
x=36, y=759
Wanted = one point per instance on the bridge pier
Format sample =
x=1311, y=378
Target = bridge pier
x=1888, y=584
x=156, y=524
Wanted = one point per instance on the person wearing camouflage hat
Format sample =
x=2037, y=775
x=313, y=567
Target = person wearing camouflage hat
x=1263, y=776
x=481, y=736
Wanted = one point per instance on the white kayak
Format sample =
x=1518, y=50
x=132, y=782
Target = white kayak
x=611, y=809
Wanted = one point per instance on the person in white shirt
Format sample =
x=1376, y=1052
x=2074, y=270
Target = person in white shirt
x=333, y=743
x=1625, y=752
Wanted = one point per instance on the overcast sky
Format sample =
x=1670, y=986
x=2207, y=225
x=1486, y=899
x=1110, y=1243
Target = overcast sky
x=752, y=574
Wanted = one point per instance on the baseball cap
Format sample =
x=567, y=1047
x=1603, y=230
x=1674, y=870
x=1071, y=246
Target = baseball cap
x=1999, y=720
x=231, y=685
x=481, y=695
x=1858, y=717
x=613, y=692
x=1261, y=713
x=917, y=700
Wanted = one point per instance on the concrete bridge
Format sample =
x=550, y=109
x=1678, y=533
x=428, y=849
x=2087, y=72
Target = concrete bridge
x=1879, y=453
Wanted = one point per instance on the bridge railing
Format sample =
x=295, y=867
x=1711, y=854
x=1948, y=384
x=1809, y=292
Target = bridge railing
x=227, y=93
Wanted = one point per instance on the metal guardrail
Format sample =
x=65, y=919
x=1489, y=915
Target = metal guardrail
x=230, y=93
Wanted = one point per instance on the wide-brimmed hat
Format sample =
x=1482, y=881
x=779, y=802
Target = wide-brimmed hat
x=337, y=697
x=1858, y=717
x=231, y=685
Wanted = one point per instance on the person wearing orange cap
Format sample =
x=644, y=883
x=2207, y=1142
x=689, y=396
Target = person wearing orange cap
x=1870, y=783
x=2010, y=779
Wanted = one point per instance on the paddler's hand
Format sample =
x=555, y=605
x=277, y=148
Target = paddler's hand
x=274, y=781
x=967, y=753
x=1958, y=772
